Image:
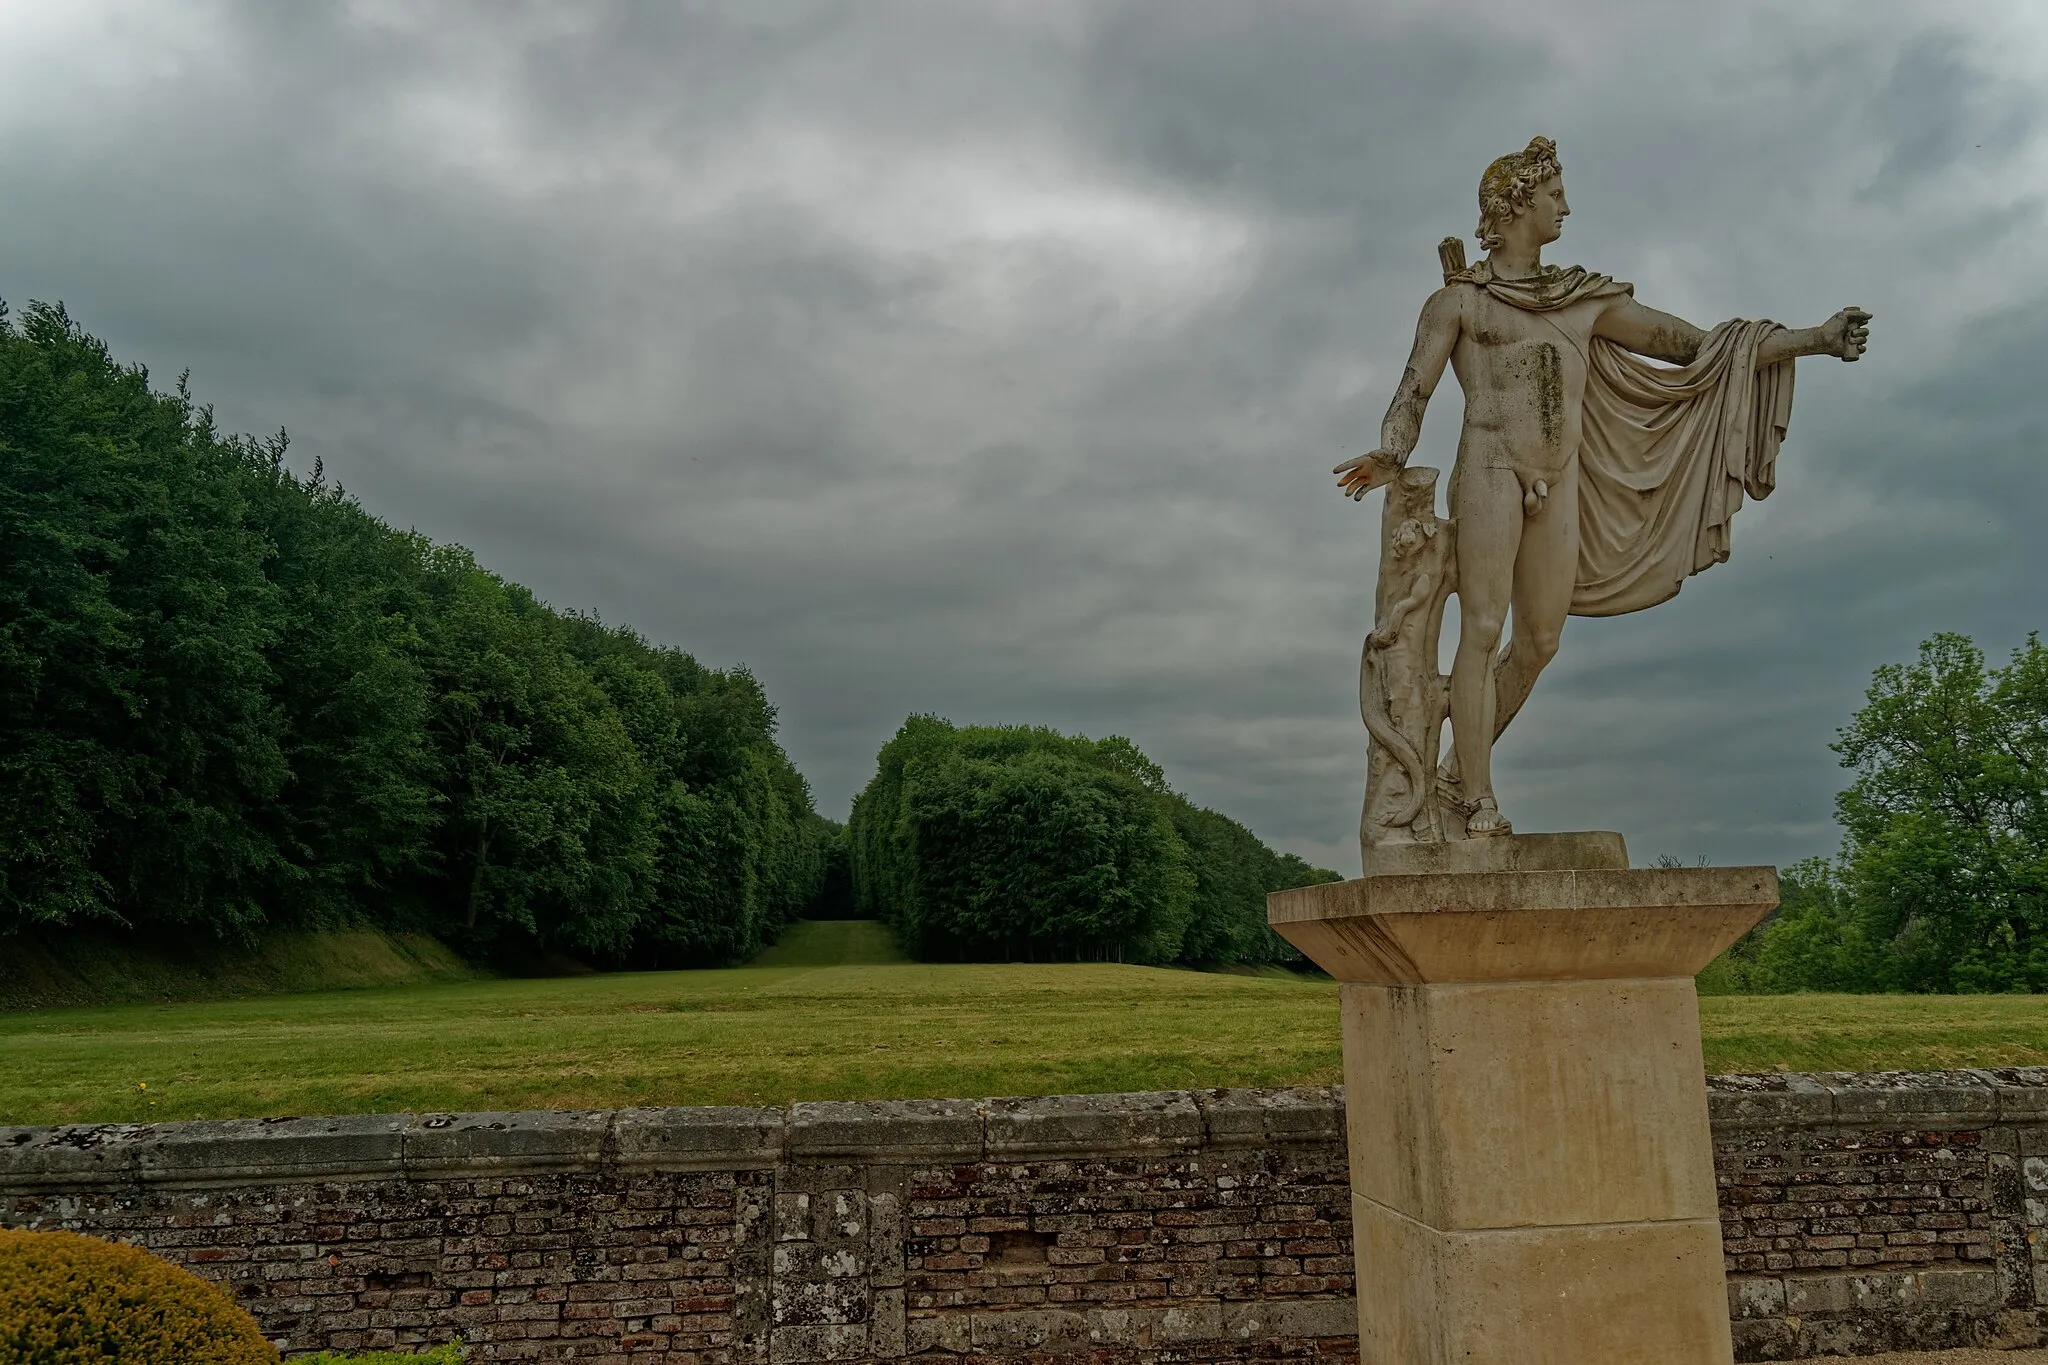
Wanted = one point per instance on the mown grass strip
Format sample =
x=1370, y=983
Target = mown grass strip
x=755, y=1035
x=771, y=1035
x=833, y=943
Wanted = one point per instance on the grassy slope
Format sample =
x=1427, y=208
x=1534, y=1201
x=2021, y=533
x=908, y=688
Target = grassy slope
x=95, y=969
x=833, y=943
x=771, y=1034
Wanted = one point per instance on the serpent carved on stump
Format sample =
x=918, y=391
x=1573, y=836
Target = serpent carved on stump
x=1402, y=693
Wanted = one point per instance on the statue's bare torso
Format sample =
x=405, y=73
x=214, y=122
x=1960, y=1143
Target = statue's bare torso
x=1524, y=379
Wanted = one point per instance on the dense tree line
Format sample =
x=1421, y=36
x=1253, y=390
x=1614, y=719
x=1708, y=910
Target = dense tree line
x=1020, y=843
x=230, y=697
x=1941, y=883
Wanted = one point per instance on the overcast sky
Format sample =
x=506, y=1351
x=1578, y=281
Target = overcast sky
x=990, y=359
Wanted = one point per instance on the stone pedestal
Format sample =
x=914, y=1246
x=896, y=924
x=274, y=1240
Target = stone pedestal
x=1532, y=1178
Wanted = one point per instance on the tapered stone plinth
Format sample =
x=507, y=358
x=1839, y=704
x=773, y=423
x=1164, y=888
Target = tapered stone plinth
x=1532, y=1177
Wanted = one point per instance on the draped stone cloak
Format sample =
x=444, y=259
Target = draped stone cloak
x=1667, y=452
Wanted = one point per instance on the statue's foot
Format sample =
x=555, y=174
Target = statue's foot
x=1486, y=819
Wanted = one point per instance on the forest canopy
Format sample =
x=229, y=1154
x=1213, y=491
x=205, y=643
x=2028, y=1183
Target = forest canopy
x=231, y=698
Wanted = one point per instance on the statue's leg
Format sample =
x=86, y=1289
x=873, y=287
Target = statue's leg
x=1487, y=504
x=1546, y=568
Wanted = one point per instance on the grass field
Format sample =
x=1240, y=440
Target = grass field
x=833, y=943
x=821, y=1018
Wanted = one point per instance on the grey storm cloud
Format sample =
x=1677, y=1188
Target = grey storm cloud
x=990, y=359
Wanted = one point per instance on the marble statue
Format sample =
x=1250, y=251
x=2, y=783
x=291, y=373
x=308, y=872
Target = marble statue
x=1590, y=480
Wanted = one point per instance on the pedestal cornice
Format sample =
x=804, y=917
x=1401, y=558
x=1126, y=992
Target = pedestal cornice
x=1550, y=925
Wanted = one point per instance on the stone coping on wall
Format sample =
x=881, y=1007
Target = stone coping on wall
x=431, y=1146
x=1932, y=1100
x=438, y=1146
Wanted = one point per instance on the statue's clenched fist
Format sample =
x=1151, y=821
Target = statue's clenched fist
x=1847, y=333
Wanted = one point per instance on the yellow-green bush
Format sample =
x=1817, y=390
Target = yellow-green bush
x=72, y=1300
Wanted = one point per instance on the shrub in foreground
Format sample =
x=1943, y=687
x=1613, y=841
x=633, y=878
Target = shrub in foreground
x=66, y=1299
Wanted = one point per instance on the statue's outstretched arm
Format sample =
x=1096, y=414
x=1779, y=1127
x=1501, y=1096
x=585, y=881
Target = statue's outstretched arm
x=1664, y=337
x=1436, y=335
x=1649, y=332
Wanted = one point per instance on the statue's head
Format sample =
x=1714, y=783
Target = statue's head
x=1529, y=182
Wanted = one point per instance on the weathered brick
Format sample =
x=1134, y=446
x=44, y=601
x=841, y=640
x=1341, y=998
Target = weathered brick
x=1896, y=1227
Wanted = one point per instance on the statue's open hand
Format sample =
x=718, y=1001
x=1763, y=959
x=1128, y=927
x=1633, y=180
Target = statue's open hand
x=1847, y=333
x=1360, y=475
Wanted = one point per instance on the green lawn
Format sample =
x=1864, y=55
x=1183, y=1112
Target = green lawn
x=833, y=943
x=850, y=1029
x=1873, y=1032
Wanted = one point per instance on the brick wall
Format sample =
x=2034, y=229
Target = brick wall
x=1904, y=1210
x=1860, y=1213
x=1132, y=1228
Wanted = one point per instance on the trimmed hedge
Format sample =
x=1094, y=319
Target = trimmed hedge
x=67, y=1299
x=1009, y=842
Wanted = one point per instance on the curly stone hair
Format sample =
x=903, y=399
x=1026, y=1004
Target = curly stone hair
x=1510, y=184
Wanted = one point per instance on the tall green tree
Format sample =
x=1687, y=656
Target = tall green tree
x=1946, y=822
x=547, y=829
x=1942, y=879
x=355, y=818
x=740, y=850
x=138, y=730
x=1234, y=871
